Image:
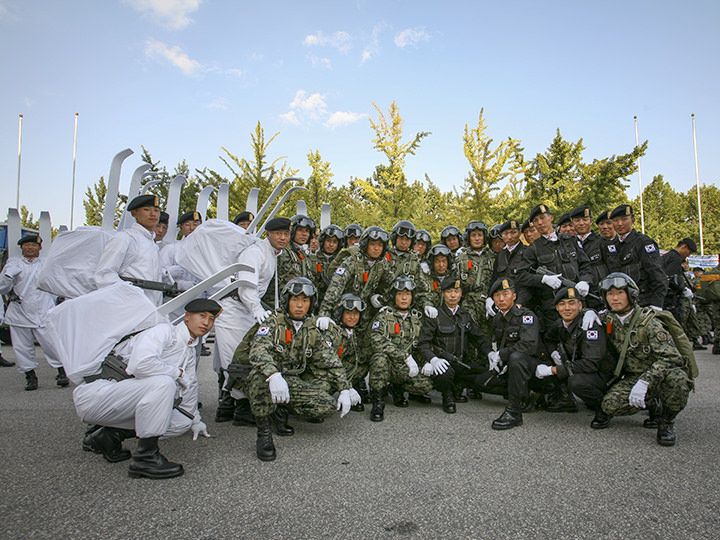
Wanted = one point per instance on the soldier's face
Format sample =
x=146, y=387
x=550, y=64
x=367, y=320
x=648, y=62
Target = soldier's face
x=497, y=244
x=568, y=309
x=403, y=299
x=330, y=245
x=302, y=235
x=623, y=224
x=298, y=306
x=617, y=300
x=402, y=243
x=606, y=229
x=582, y=224
x=452, y=242
x=352, y=240
x=543, y=223
x=30, y=250
x=199, y=324
x=531, y=234
x=510, y=237
x=350, y=319
x=244, y=224
x=420, y=248
x=147, y=216
x=279, y=239
x=476, y=239
x=504, y=299
x=375, y=249
x=160, y=231
x=452, y=297
x=188, y=227
x=567, y=228
x=440, y=265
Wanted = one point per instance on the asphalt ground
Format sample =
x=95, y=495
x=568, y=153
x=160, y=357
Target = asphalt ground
x=419, y=474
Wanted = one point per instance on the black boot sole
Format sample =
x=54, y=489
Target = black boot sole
x=267, y=458
x=666, y=443
x=155, y=476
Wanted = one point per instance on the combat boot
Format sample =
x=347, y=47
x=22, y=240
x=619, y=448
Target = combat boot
x=362, y=391
x=666, y=430
x=459, y=394
x=510, y=418
x=419, y=398
x=226, y=407
x=31, y=380
x=242, y=415
x=5, y=363
x=398, y=395
x=448, y=402
x=601, y=420
x=654, y=412
x=280, y=422
x=377, y=413
x=61, y=378
x=108, y=442
x=561, y=401
x=148, y=462
x=264, y=447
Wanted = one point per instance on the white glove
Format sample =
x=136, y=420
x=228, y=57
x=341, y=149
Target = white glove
x=556, y=357
x=376, y=301
x=490, y=308
x=687, y=293
x=494, y=358
x=344, y=402
x=199, y=429
x=355, y=398
x=582, y=287
x=637, y=394
x=440, y=365
x=413, y=369
x=279, y=390
x=542, y=371
x=427, y=369
x=589, y=319
x=261, y=315
x=656, y=308
x=430, y=312
x=552, y=281
x=323, y=323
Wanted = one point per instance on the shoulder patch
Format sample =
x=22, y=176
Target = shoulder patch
x=662, y=336
x=263, y=331
x=591, y=335
x=650, y=248
x=528, y=319
x=376, y=325
x=612, y=248
x=340, y=270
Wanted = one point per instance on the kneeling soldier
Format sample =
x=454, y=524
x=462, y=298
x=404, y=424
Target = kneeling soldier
x=650, y=365
x=293, y=363
x=347, y=317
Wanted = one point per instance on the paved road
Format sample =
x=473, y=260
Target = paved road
x=419, y=474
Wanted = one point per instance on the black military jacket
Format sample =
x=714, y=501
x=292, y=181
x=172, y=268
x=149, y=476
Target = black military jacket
x=516, y=331
x=448, y=336
x=582, y=351
x=506, y=266
x=561, y=257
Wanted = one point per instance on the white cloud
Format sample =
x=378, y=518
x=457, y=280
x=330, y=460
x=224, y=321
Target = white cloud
x=312, y=105
x=344, y=118
x=173, y=14
x=316, y=61
x=219, y=104
x=290, y=117
x=411, y=36
x=342, y=41
x=372, y=49
x=175, y=55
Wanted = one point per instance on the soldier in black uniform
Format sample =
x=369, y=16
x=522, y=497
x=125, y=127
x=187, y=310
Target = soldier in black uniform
x=581, y=358
x=605, y=225
x=529, y=233
x=445, y=343
x=564, y=225
x=510, y=257
x=592, y=244
x=638, y=256
x=561, y=256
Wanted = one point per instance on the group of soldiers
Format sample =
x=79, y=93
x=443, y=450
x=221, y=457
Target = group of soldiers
x=541, y=313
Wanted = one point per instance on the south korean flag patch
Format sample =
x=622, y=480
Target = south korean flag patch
x=592, y=335
x=263, y=331
x=650, y=248
x=528, y=319
x=340, y=270
x=612, y=248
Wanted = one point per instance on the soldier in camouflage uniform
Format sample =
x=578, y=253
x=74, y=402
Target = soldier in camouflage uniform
x=496, y=241
x=293, y=363
x=422, y=244
x=475, y=267
x=649, y=366
x=451, y=237
x=710, y=291
x=348, y=317
x=394, y=335
x=332, y=240
x=702, y=306
x=440, y=260
x=353, y=232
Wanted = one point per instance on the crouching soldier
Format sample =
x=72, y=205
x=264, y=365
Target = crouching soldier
x=444, y=345
x=581, y=357
x=650, y=366
x=157, y=399
x=394, y=335
x=347, y=317
x=294, y=366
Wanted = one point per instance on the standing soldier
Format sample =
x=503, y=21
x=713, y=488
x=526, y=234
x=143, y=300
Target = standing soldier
x=475, y=267
x=649, y=367
x=710, y=291
x=565, y=226
x=592, y=244
x=638, y=256
x=422, y=244
x=353, y=232
x=702, y=305
x=294, y=261
x=450, y=236
x=606, y=229
x=440, y=261
x=244, y=219
x=508, y=261
x=162, y=227
x=496, y=241
x=332, y=239
x=529, y=233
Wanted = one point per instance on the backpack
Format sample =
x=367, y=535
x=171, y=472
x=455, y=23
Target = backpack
x=683, y=344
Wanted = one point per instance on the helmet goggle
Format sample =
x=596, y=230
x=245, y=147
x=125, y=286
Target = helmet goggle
x=614, y=283
x=422, y=236
x=297, y=288
x=440, y=250
x=350, y=304
x=334, y=231
x=377, y=234
x=405, y=231
x=404, y=284
x=476, y=226
x=450, y=231
x=304, y=221
x=353, y=230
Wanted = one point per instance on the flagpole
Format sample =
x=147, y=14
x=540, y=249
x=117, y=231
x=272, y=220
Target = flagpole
x=17, y=192
x=74, y=159
x=642, y=208
x=697, y=184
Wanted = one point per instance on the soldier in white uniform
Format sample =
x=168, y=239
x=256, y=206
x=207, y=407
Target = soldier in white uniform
x=27, y=311
x=159, y=399
x=133, y=252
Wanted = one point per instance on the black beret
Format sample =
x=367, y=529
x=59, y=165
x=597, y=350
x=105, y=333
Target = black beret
x=622, y=210
x=189, y=216
x=581, y=211
x=243, y=216
x=509, y=224
x=567, y=293
x=565, y=218
x=525, y=226
x=141, y=201
x=502, y=284
x=690, y=243
x=30, y=238
x=450, y=282
x=278, y=224
x=539, y=209
x=201, y=305
x=164, y=218
x=604, y=216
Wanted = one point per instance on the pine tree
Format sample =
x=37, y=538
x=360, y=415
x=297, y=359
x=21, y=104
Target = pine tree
x=666, y=213
x=94, y=204
x=604, y=181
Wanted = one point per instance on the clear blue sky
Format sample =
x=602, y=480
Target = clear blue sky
x=185, y=77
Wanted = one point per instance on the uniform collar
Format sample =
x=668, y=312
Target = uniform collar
x=183, y=335
x=623, y=318
x=583, y=238
x=142, y=230
x=552, y=237
x=510, y=249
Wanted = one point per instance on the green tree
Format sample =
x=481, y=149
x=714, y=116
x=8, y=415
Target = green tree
x=604, y=181
x=710, y=197
x=27, y=221
x=666, y=213
x=94, y=203
x=189, y=193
